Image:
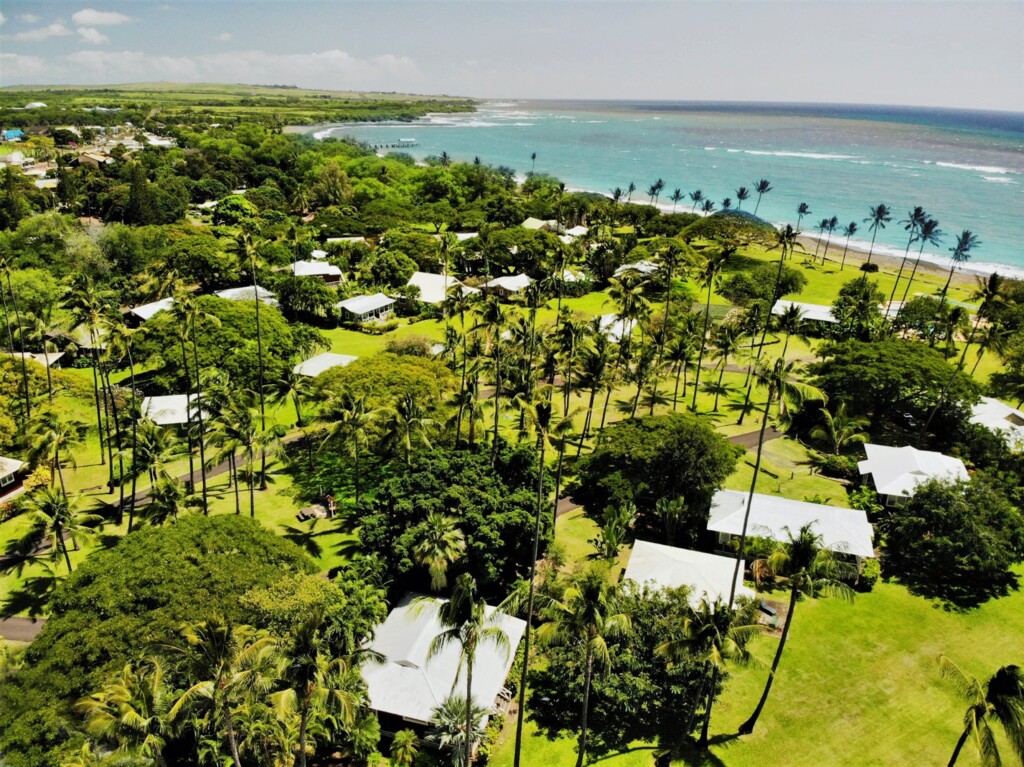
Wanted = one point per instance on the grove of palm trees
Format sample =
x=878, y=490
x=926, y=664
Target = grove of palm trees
x=210, y=583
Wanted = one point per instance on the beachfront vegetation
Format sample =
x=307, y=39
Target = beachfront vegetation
x=636, y=375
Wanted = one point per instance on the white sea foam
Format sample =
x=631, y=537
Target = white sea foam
x=805, y=155
x=999, y=179
x=979, y=168
x=710, y=148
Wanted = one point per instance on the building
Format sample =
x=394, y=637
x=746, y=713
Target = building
x=707, y=576
x=810, y=312
x=170, y=409
x=321, y=363
x=248, y=293
x=147, y=311
x=10, y=469
x=434, y=287
x=507, y=286
x=616, y=328
x=346, y=239
x=366, y=308
x=329, y=273
x=1001, y=419
x=15, y=134
x=643, y=267
x=408, y=685
x=845, y=531
x=897, y=471
x=551, y=225
x=577, y=231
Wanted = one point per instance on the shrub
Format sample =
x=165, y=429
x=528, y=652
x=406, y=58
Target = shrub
x=870, y=572
x=869, y=268
x=838, y=466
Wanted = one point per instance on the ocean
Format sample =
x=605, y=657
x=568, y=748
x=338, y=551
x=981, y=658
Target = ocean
x=965, y=168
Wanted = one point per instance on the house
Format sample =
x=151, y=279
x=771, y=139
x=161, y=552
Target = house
x=366, y=308
x=146, y=311
x=643, y=267
x=329, y=273
x=551, y=225
x=507, y=286
x=616, y=328
x=95, y=159
x=1002, y=419
x=321, y=363
x=410, y=683
x=845, y=531
x=346, y=239
x=434, y=287
x=810, y=312
x=707, y=576
x=50, y=359
x=317, y=254
x=577, y=231
x=9, y=470
x=170, y=409
x=15, y=134
x=897, y=471
x=248, y=293
x=35, y=105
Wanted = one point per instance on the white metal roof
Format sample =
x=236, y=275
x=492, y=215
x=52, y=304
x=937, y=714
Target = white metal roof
x=246, y=293
x=346, y=239
x=169, y=409
x=318, y=254
x=409, y=685
x=315, y=269
x=314, y=366
x=841, y=530
x=364, y=304
x=463, y=236
x=434, y=287
x=146, y=311
x=616, y=327
x=577, y=231
x=813, y=312
x=644, y=267
x=708, y=576
x=513, y=283
x=899, y=470
x=537, y=223
x=9, y=465
x=1002, y=419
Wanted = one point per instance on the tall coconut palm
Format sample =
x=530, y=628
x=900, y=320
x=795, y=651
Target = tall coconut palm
x=458, y=302
x=629, y=191
x=676, y=197
x=439, y=544
x=741, y=194
x=928, y=234
x=791, y=322
x=681, y=355
x=841, y=429
x=223, y=662
x=995, y=336
x=467, y=625
x=726, y=342
x=290, y=386
x=155, y=447
x=807, y=568
x=1000, y=700
x=39, y=329
x=848, y=231
x=404, y=424
x=593, y=376
x=803, y=209
x=247, y=247
x=831, y=224
x=966, y=241
x=709, y=276
x=347, y=419
x=587, y=614
x=235, y=427
x=5, y=276
x=493, y=319
x=53, y=437
x=762, y=188
x=533, y=162
x=122, y=345
x=822, y=226
x=672, y=260
x=717, y=637
x=879, y=216
x=654, y=190
x=912, y=225
x=989, y=293
x=166, y=501
x=697, y=196
x=53, y=515
x=89, y=305
x=707, y=207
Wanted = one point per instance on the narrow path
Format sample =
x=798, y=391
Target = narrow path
x=565, y=505
x=21, y=629
x=749, y=440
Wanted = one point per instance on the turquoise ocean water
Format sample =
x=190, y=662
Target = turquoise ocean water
x=965, y=168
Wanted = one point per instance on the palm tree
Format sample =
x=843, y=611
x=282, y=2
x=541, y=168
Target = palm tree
x=122, y=344
x=449, y=727
x=966, y=241
x=235, y=427
x=53, y=438
x=223, y=663
x=315, y=681
x=676, y=197
x=830, y=226
x=712, y=268
x=716, y=636
x=166, y=500
x=791, y=322
x=88, y=305
x=588, y=614
x=741, y=194
x=840, y=430
x=822, y=226
x=848, y=231
x=290, y=386
x=879, y=216
x=930, y=234
x=54, y=515
x=533, y=162
x=654, y=190
x=1000, y=699
x=404, y=424
x=808, y=569
x=404, y=749
x=708, y=206
x=38, y=329
x=594, y=375
x=995, y=337
x=466, y=624
x=912, y=225
x=762, y=188
x=346, y=418
x=246, y=247
x=5, y=274
x=680, y=356
x=131, y=711
x=629, y=191
x=989, y=292
x=439, y=544
x=803, y=209
x=670, y=259
x=697, y=196
x=726, y=343
x=493, y=318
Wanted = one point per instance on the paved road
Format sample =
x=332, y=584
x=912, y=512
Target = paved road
x=21, y=629
x=749, y=440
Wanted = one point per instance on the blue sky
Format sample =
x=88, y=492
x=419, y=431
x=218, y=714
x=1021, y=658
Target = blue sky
x=924, y=52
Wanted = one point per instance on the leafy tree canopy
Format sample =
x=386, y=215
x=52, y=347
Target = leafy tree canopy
x=746, y=287
x=733, y=226
x=385, y=377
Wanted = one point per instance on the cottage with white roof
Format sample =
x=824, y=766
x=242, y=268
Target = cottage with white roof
x=809, y=312
x=897, y=471
x=9, y=468
x=321, y=363
x=507, y=286
x=170, y=409
x=147, y=311
x=616, y=328
x=366, y=308
x=844, y=531
x=643, y=267
x=434, y=287
x=707, y=576
x=329, y=273
x=248, y=293
x=410, y=684
x=1002, y=419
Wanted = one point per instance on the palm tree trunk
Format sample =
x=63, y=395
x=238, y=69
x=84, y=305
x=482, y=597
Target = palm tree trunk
x=721, y=375
x=233, y=472
x=703, y=343
x=748, y=726
x=199, y=416
x=913, y=273
x=250, y=466
x=899, y=274
x=588, y=676
x=120, y=450
x=135, y=440
x=357, y=474
x=303, y=724
x=846, y=247
x=604, y=414
x=63, y=546
x=703, y=741
x=497, y=400
x=96, y=398
x=232, y=741
x=764, y=335
x=469, y=708
x=49, y=374
x=586, y=422
x=263, y=407
x=959, y=746
x=24, y=367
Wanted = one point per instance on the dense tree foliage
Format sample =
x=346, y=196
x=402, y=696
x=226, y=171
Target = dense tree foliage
x=385, y=377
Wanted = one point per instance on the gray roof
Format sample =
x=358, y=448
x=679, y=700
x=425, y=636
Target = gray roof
x=246, y=293
x=841, y=530
x=364, y=304
x=410, y=685
x=708, y=576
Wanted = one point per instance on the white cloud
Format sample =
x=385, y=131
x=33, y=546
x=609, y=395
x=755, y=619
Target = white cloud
x=26, y=68
x=90, y=17
x=225, y=37
x=42, y=33
x=2, y=19
x=28, y=18
x=92, y=36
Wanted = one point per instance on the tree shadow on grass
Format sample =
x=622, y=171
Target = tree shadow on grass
x=31, y=596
